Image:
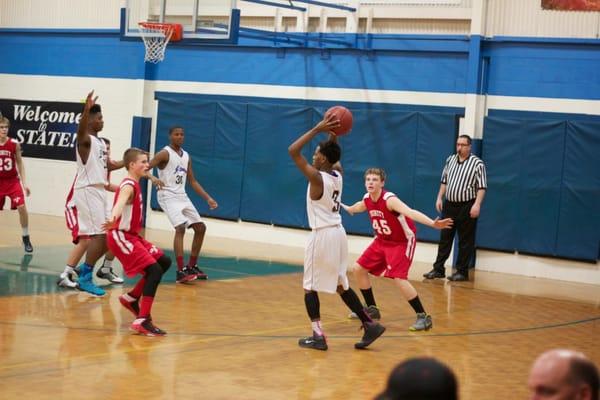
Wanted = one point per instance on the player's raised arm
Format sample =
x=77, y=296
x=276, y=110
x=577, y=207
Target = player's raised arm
x=395, y=204
x=83, y=137
x=295, y=151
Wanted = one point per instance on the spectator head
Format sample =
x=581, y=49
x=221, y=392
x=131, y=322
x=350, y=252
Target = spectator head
x=421, y=378
x=563, y=375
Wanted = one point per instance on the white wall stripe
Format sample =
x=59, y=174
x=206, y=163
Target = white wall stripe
x=311, y=93
x=541, y=104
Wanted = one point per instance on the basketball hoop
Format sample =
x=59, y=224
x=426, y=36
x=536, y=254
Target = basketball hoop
x=156, y=36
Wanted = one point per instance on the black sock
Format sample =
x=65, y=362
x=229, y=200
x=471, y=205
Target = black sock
x=368, y=296
x=353, y=303
x=416, y=305
x=311, y=300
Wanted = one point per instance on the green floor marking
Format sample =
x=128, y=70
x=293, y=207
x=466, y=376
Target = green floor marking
x=37, y=273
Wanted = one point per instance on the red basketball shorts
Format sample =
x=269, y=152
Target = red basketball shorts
x=12, y=189
x=135, y=253
x=390, y=260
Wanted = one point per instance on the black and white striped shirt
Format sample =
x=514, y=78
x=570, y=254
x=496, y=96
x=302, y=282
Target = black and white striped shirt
x=463, y=179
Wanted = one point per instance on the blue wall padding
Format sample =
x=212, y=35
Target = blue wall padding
x=435, y=142
x=228, y=168
x=378, y=139
x=141, y=136
x=239, y=153
x=579, y=221
x=498, y=226
x=215, y=139
x=541, y=144
x=543, y=174
x=273, y=190
x=543, y=187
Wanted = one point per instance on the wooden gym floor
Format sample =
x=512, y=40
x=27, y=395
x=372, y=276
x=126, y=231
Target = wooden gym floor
x=235, y=335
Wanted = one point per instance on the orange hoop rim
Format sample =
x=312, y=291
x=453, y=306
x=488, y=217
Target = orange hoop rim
x=176, y=30
x=157, y=25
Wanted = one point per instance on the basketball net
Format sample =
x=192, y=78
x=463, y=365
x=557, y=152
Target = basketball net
x=155, y=37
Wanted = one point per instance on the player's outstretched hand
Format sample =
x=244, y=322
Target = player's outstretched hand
x=443, y=223
x=110, y=223
x=212, y=204
x=156, y=182
x=347, y=208
x=90, y=100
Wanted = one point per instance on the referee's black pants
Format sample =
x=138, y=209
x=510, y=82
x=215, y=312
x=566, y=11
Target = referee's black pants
x=465, y=225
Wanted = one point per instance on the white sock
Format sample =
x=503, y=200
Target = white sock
x=107, y=263
x=129, y=298
x=68, y=270
x=316, y=327
x=25, y=231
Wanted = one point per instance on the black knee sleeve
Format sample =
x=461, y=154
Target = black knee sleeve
x=164, y=262
x=311, y=300
x=153, y=275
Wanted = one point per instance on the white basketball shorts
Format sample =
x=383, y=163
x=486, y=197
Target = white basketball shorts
x=179, y=209
x=92, y=209
x=326, y=260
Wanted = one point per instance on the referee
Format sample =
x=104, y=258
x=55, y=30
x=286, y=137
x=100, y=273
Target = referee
x=463, y=184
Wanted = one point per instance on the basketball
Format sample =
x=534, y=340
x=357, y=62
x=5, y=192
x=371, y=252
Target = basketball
x=345, y=117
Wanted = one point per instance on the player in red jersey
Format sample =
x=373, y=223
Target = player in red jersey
x=390, y=254
x=137, y=255
x=12, y=180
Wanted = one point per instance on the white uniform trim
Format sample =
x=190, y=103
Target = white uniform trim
x=125, y=223
x=124, y=245
x=410, y=235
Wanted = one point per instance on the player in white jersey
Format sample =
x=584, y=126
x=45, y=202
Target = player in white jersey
x=174, y=171
x=67, y=277
x=89, y=194
x=326, y=254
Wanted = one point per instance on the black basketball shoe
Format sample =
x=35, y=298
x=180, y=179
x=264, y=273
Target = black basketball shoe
x=313, y=342
x=372, y=331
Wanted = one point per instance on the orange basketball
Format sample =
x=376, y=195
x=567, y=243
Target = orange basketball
x=345, y=117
